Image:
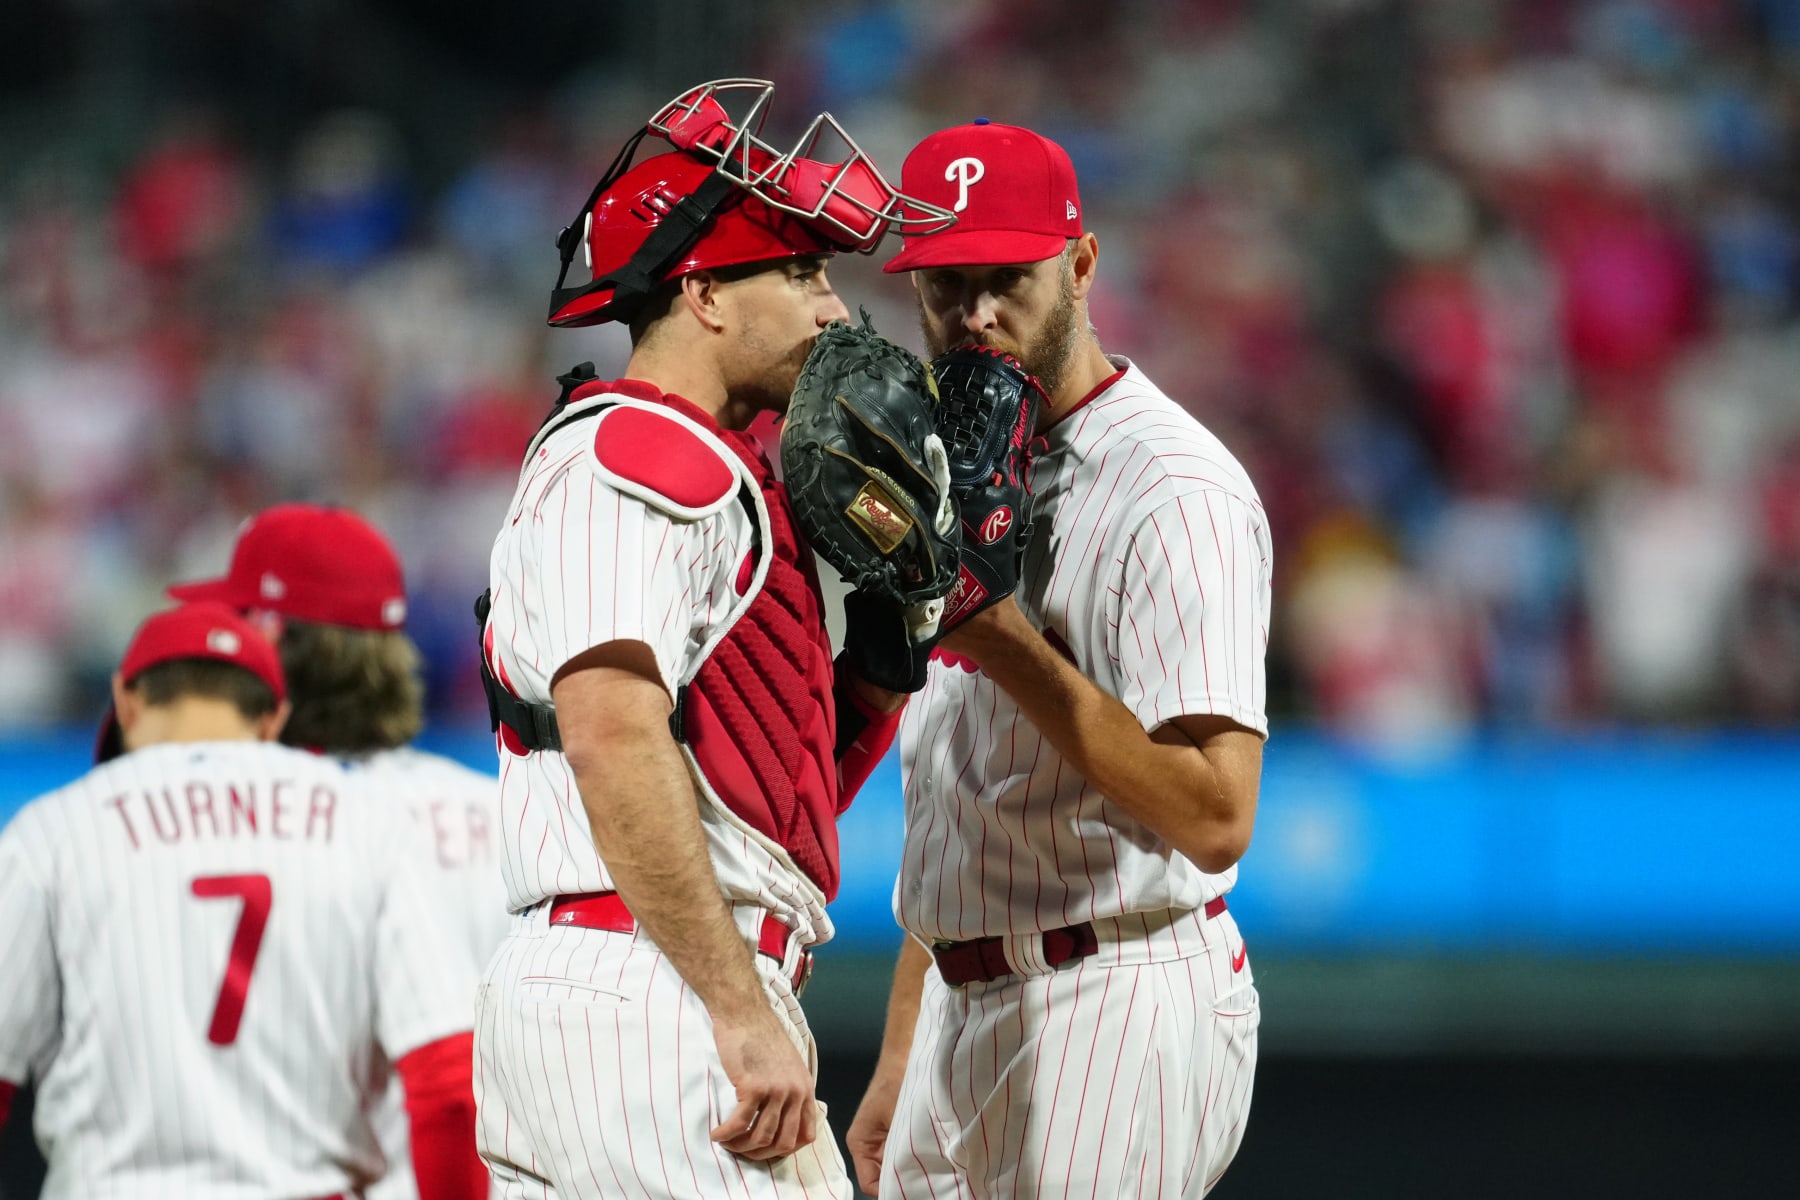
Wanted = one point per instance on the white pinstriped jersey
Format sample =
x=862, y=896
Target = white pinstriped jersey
x=1149, y=566
x=581, y=562
x=458, y=811
x=207, y=946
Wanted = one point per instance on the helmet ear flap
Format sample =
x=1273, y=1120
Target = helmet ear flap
x=577, y=233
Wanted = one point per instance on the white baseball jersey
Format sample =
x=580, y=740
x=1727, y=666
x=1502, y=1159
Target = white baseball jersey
x=207, y=946
x=585, y=558
x=1149, y=567
x=596, y=1073
x=458, y=811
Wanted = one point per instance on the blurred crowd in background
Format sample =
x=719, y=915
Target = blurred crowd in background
x=1496, y=301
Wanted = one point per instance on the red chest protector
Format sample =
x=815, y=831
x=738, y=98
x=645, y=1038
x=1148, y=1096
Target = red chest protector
x=759, y=716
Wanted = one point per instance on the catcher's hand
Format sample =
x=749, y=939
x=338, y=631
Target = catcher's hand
x=869, y=484
x=987, y=412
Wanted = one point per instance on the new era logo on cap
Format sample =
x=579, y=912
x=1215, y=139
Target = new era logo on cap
x=224, y=642
x=1013, y=192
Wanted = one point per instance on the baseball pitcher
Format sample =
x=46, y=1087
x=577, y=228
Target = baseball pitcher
x=1074, y=1013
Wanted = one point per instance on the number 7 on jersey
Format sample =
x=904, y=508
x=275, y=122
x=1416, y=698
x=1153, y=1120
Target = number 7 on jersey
x=257, y=895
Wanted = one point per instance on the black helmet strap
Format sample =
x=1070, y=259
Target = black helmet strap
x=678, y=230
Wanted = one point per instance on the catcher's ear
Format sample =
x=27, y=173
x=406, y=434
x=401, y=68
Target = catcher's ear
x=700, y=296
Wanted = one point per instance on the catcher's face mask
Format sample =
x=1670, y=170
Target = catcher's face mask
x=725, y=197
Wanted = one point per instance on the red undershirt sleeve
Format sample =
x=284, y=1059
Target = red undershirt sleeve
x=864, y=734
x=440, y=1107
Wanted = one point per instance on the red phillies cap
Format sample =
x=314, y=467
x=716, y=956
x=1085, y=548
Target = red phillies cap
x=313, y=564
x=204, y=630
x=1012, y=190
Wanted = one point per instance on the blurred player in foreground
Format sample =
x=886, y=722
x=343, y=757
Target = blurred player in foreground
x=329, y=589
x=210, y=940
x=1074, y=1013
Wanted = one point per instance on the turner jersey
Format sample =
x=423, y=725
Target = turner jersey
x=1149, y=569
x=207, y=948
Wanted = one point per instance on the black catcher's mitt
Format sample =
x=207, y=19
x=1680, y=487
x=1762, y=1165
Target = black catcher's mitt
x=866, y=473
x=987, y=412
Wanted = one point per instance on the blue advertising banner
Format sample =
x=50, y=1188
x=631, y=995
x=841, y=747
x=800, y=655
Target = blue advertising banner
x=1623, y=844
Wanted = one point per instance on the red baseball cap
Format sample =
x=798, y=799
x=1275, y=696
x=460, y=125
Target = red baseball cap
x=311, y=563
x=203, y=630
x=1013, y=192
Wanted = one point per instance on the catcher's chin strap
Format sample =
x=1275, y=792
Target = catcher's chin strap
x=535, y=724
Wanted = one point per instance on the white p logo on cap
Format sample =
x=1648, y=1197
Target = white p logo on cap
x=223, y=641
x=965, y=171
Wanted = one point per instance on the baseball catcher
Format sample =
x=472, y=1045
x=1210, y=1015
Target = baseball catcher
x=673, y=730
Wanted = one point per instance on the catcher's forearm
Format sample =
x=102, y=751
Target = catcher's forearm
x=641, y=807
x=1167, y=783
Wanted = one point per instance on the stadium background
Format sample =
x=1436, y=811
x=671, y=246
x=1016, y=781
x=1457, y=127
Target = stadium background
x=1497, y=302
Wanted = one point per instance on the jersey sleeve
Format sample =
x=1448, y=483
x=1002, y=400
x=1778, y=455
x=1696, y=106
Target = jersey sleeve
x=615, y=568
x=1191, y=611
x=424, y=989
x=31, y=1001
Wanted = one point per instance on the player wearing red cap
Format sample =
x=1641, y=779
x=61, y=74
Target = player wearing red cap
x=1074, y=1013
x=210, y=940
x=329, y=588
x=675, y=745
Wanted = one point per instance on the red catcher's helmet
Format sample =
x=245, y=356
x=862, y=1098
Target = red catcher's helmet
x=725, y=197
x=742, y=230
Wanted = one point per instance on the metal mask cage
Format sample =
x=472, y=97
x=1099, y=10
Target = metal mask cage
x=844, y=195
x=847, y=201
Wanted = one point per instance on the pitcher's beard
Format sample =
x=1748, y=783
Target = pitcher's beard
x=1047, y=355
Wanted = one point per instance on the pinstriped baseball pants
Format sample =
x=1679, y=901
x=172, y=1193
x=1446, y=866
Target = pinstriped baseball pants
x=596, y=1075
x=1102, y=1079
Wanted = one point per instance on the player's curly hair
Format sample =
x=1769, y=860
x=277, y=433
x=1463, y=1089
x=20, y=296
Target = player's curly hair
x=354, y=691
